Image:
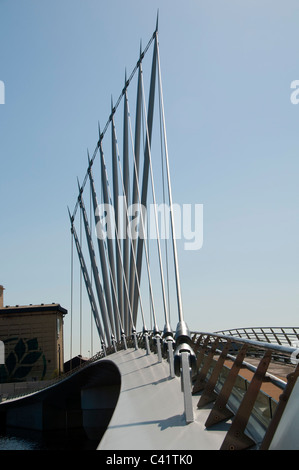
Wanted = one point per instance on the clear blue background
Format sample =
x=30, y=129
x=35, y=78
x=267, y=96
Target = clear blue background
x=233, y=137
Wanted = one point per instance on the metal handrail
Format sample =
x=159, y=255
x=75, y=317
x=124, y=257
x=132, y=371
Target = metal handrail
x=258, y=346
x=288, y=350
x=218, y=347
x=279, y=335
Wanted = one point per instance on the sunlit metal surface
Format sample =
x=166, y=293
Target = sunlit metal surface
x=150, y=410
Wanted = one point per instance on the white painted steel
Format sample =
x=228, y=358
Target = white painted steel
x=287, y=432
x=150, y=410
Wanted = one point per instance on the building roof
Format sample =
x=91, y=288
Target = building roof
x=41, y=308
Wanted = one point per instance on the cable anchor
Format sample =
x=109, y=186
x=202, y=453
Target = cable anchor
x=134, y=337
x=124, y=339
x=104, y=347
x=168, y=347
x=113, y=342
x=185, y=366
x=157, y=339
x=146, y=340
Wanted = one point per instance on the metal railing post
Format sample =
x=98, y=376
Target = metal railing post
x=208, y=394
x=236, y=439
x=185, y=366
x=134, y=336
x=220, y=412
x=124, y=339
x=201, y=376
x=283, y=399
x=113, y=343
x=146, y=340
x=157, y=339
x=168, y=342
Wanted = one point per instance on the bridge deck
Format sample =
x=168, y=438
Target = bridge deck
x=150, y=411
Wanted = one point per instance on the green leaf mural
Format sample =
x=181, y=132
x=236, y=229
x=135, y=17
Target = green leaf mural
x=31, y=357
x=21, y=360
x=20, y=349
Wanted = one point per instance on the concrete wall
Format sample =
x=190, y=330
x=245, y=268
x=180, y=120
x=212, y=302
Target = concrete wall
x=28, y=416
x=19, y=388
x=98, y=404
x=84, y=402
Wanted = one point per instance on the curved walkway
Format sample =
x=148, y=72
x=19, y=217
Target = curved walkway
x=150, y=410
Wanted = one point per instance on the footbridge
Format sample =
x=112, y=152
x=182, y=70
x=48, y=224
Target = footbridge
x=164, y=387
x=243, y=395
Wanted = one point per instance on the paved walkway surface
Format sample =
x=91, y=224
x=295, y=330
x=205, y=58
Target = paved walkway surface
x=150, y=410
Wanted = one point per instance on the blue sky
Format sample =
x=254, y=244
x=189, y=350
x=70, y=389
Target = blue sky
x=232, y=137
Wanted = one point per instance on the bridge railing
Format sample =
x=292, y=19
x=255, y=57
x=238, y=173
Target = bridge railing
x=221, y=363
x=232, y=373
x=222, y=360
x=287, y=336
